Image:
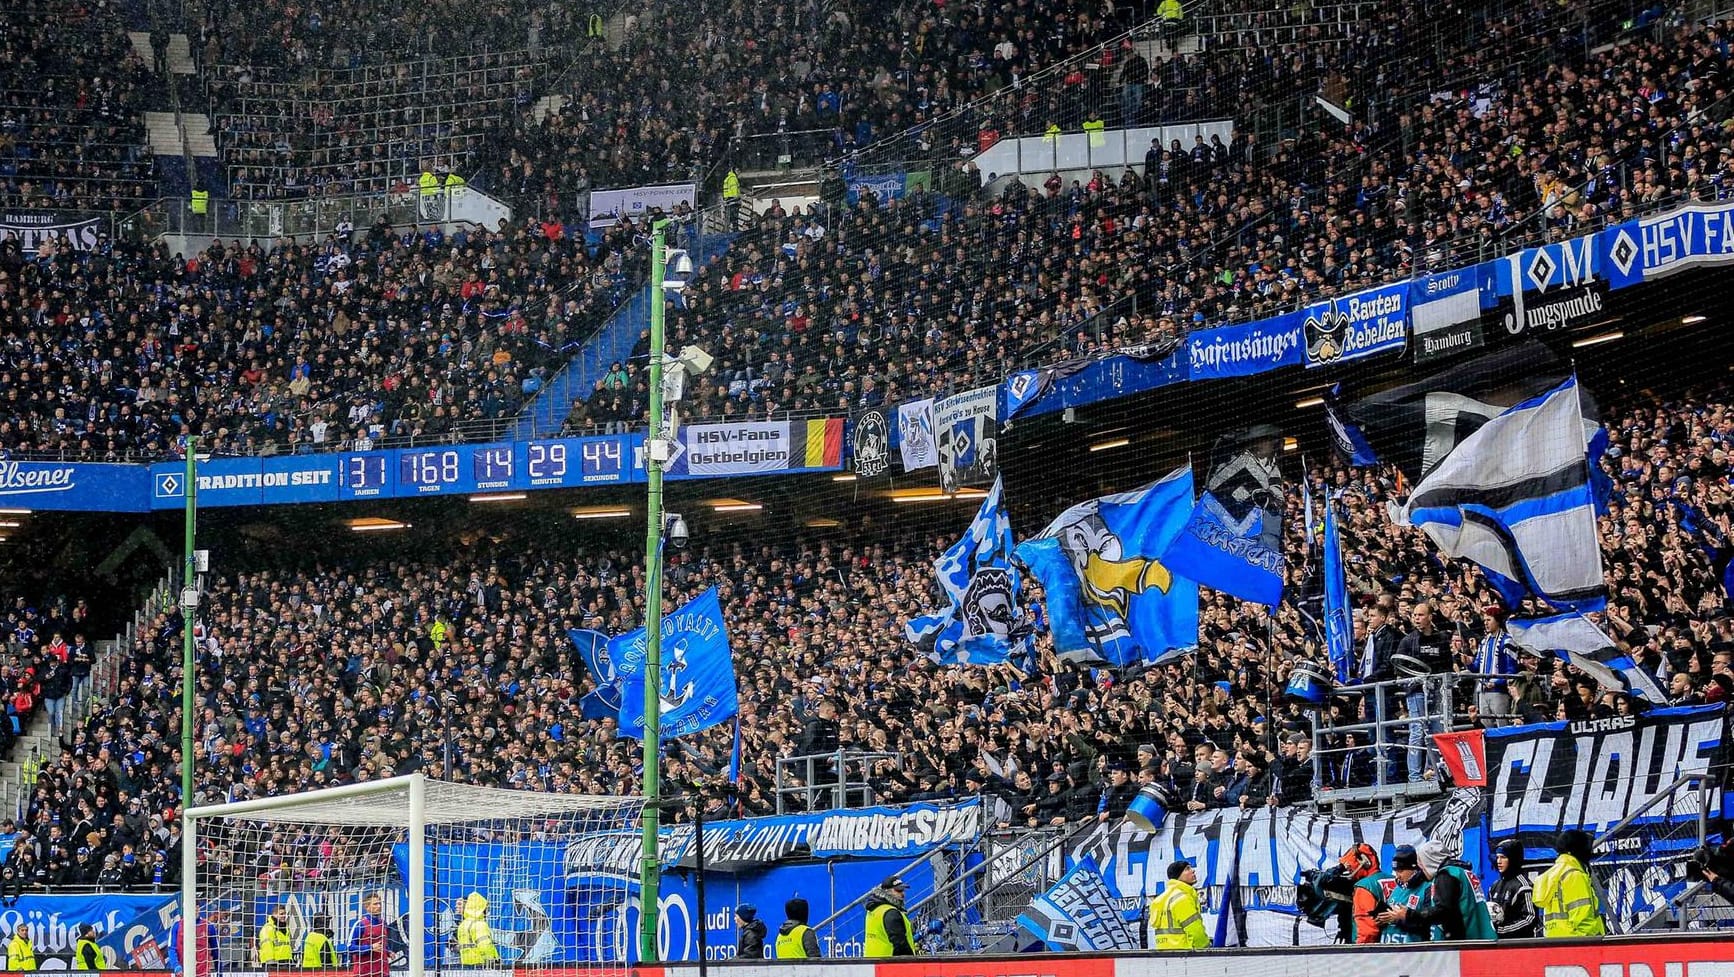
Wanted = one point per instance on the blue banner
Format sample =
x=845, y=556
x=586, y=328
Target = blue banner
x=904, y=831
x=1339, y=625
x=1079, y=913
x=132, y=930
x=577, y=901
x=72, y=486
x=883, y=186
x=1363, y=324
x=698, y=672
x=1622, y=254
x=1110, y=600
x=1239, y=351
x=1693, y=236
x=1075, y=383
x=1549, y=268
x=1233, y=542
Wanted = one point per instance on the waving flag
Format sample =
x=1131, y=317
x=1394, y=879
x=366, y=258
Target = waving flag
x=604, y=700
x=1233, y=541
x=984, y=623
x=1339, y=625
x=697, y=671
x=1516, y=498
x=1588, y=649
x=1109, y=599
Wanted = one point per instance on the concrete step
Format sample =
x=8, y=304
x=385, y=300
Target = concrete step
x=164, y=133
x=141, y=44
x=545, y=106
x=180, y=55
x=200, y=142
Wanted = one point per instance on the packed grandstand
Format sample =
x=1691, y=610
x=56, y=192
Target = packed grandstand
x=1124, y=317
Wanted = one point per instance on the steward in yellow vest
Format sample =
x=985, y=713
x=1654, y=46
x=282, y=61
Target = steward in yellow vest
x=317, y=950
x=20, y=952
x=796, y=940
x=276, y=948
x=889, y=932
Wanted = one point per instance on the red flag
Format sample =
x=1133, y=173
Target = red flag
x=1465, y=756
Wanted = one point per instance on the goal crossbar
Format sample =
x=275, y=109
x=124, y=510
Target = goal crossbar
x=426, y=802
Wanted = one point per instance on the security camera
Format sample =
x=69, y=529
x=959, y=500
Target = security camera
x=675, y=528
x=677, y=270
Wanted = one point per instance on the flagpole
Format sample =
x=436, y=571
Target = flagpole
x=656, y=455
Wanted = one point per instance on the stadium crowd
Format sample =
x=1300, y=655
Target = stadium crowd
x=843, y=306
x=366, y=337
x=71, y=93
x=892, y=300
x=343, y=670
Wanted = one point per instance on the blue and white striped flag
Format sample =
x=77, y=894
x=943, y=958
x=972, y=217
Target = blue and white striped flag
x=1588, y=649
x=1516, y=498
x=985, y=622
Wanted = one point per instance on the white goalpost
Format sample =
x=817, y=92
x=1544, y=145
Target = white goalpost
x=405, y=876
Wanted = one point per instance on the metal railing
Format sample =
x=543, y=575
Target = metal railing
x=1693, y=904
x=823, y=780
x=1394, y=736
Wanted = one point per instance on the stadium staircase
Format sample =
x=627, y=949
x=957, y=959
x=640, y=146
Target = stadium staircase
x=39, y=746
x=968, y=900
x=612, y=342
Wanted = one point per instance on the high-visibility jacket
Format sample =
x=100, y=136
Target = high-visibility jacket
x=791, y=945
x=318, y=952
x=878, y=941
x=1052, y=132
x=20, y=955
x=429, y=183
x=1567, y=901
x=275, y=946
x=1170, y=10
x=1175, y=922
x=87, y=956
x=731, y=186
x=201, y=201
x=1097, y=130
x=475, y=939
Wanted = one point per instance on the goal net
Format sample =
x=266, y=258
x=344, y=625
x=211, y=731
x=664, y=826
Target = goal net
x=410, y=875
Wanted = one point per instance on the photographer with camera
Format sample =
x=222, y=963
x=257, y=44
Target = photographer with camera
x=1351, y=891
x=1511, y=900
x=1716, y=867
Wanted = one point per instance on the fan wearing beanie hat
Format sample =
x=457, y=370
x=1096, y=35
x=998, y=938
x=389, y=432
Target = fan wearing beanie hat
x=1404, y=897
x=1176, y=921
x=1451, y=907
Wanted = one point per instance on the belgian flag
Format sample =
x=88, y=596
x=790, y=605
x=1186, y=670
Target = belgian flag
x=816, y=443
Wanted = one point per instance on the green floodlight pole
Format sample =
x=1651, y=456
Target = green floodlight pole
x=656, y=456
x=189, y=610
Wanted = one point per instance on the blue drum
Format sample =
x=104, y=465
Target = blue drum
x=1149, y=809
x=1309, y=685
